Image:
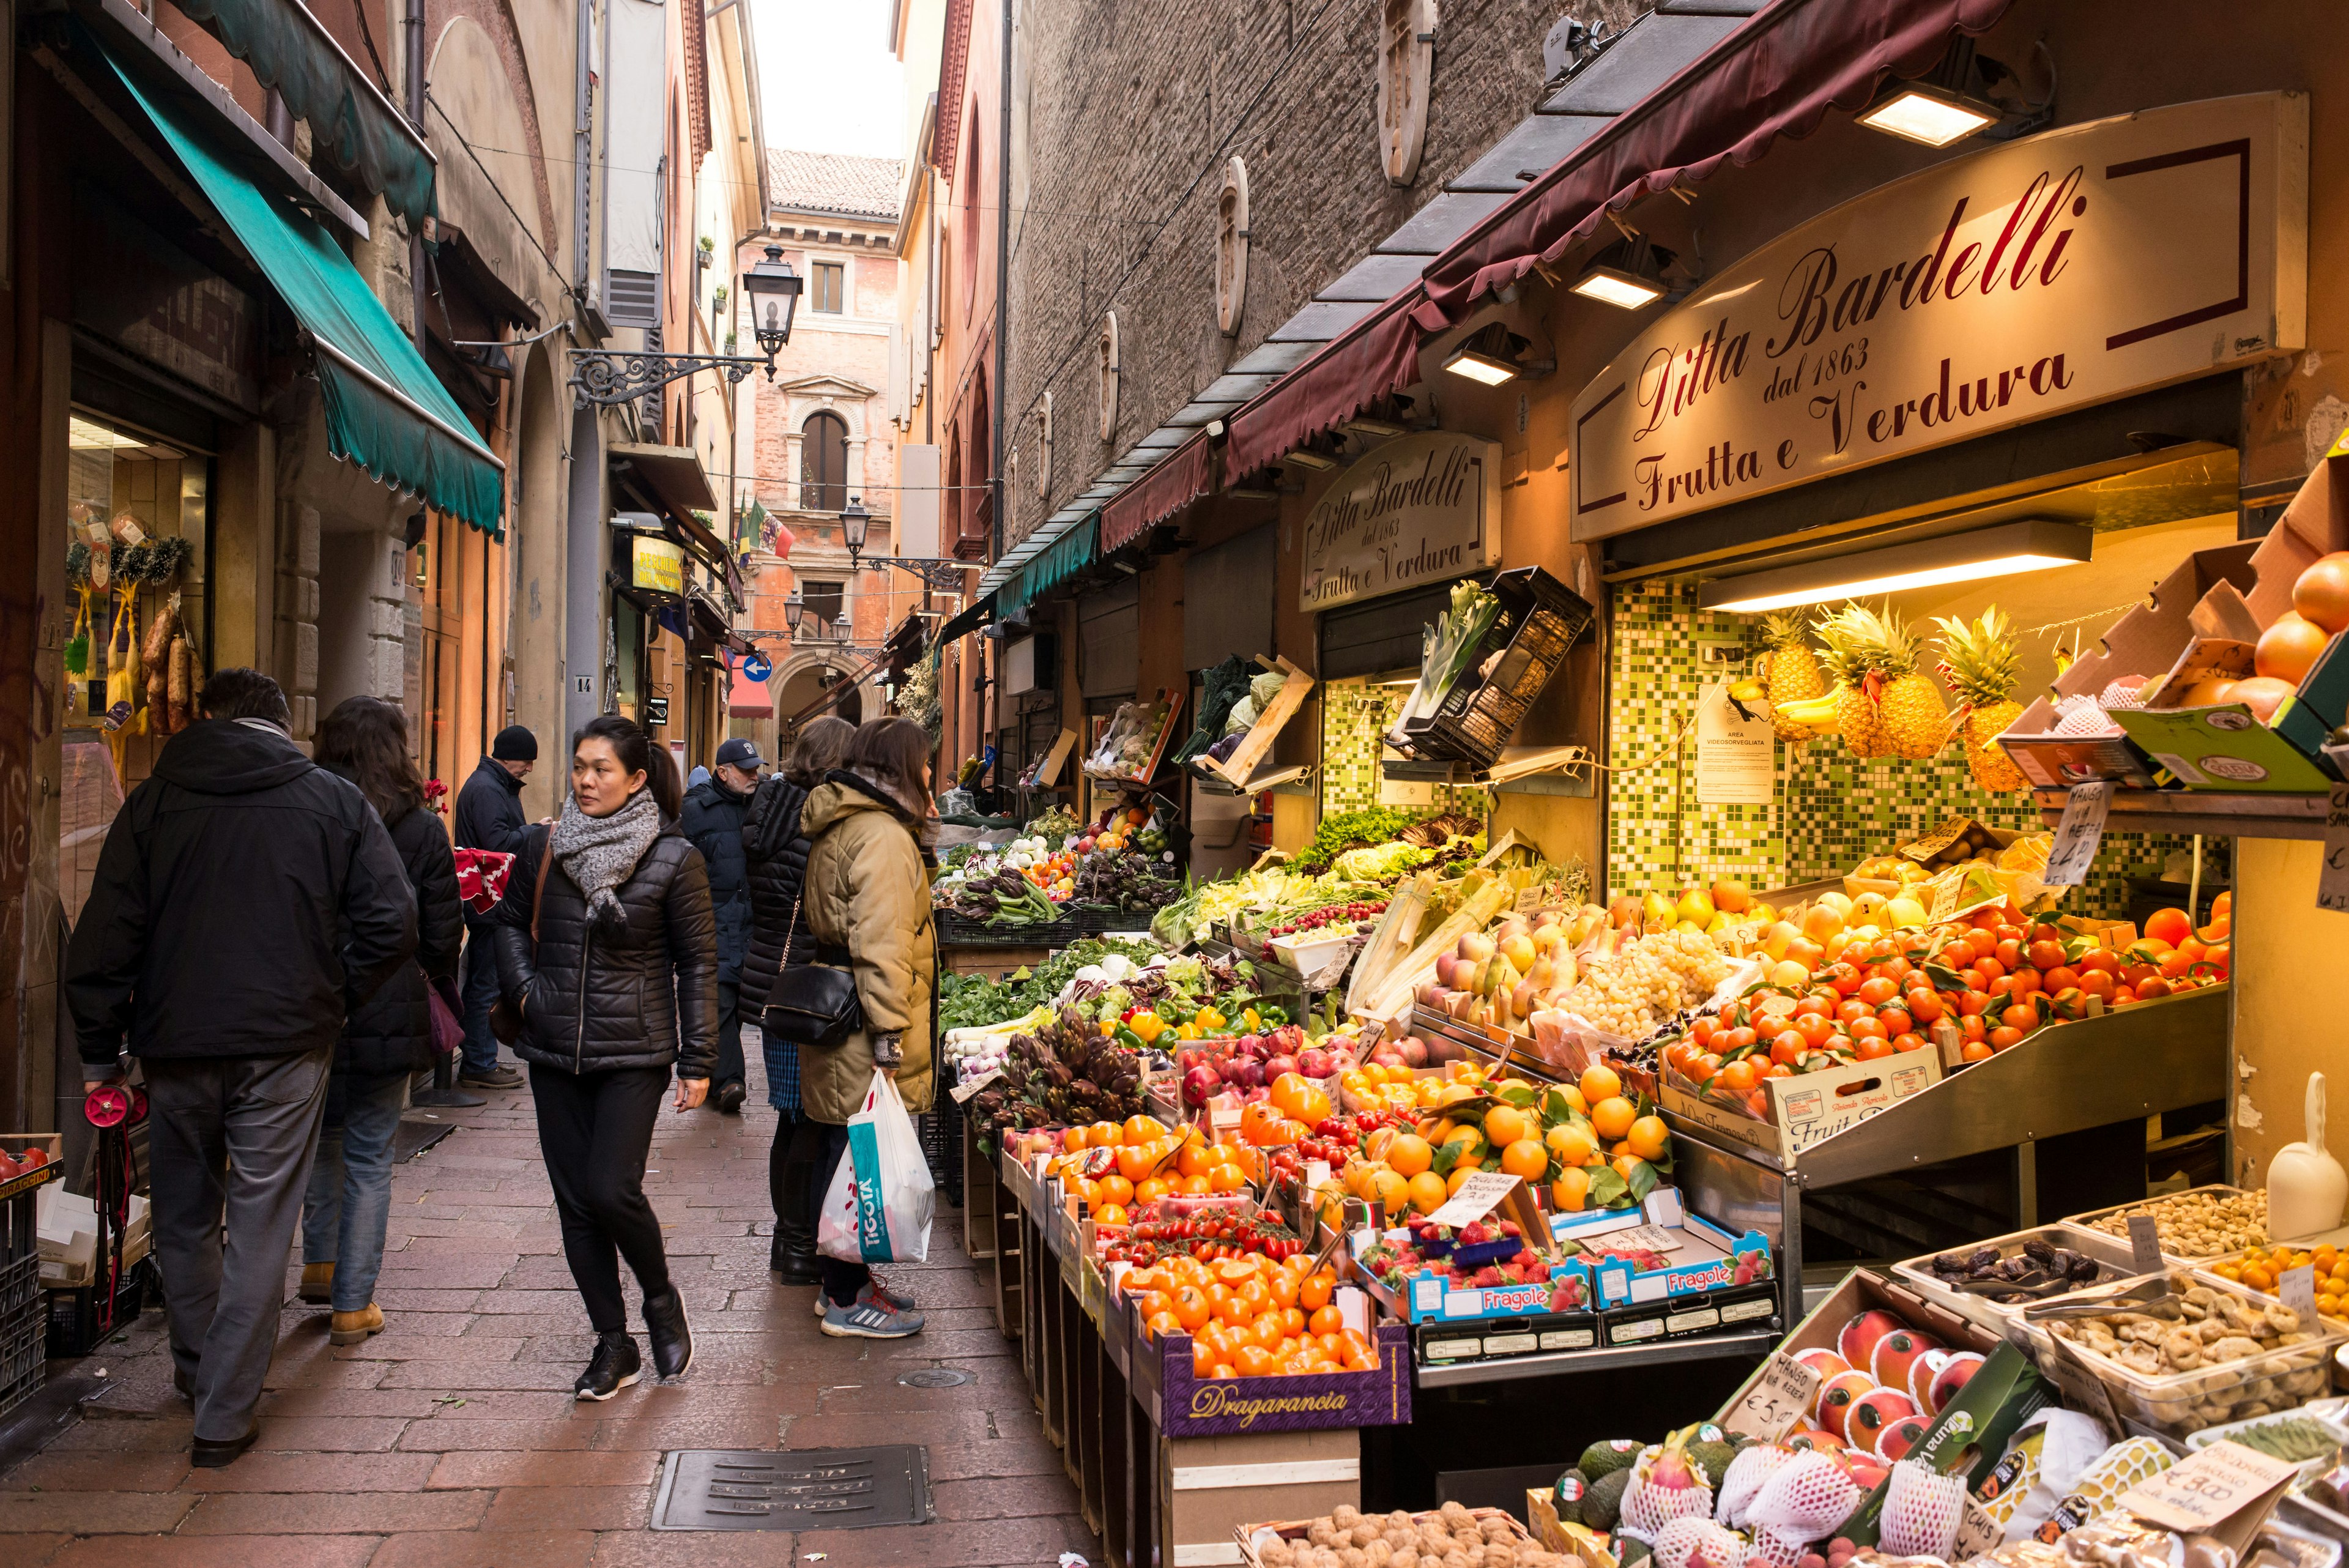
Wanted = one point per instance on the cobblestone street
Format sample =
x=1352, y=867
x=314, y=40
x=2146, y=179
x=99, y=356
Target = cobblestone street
x=452, y=1437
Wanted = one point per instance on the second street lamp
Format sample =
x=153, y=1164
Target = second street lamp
x=774, y=292
x=794, y=607
x=855, y=528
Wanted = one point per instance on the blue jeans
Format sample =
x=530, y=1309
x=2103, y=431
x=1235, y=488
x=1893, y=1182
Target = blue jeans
x=349, y=1201
x=480, y=994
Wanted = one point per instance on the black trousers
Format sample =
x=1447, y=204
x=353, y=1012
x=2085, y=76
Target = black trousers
x=596, y=1132
x=729, y=1035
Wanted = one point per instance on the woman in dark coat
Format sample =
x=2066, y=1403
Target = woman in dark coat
x=776, y=852
x=607, y=945
x=385, y=1040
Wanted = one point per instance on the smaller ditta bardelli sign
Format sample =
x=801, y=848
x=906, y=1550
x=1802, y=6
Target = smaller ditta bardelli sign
x=657, y=565
x=1422, y=508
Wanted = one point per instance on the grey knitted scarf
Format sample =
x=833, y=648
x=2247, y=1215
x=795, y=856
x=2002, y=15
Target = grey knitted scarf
x=599, y=853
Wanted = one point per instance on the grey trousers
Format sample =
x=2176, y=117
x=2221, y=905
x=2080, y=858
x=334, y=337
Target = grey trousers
x=230, y=1136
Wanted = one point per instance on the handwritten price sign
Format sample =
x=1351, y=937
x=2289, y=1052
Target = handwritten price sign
x=2077, y=835
x=2333, y=875
x=1781, y=1395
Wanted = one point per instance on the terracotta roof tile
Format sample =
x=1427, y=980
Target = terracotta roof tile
x=835, y=182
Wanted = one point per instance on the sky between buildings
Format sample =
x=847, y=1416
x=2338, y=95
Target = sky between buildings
x=830, y=83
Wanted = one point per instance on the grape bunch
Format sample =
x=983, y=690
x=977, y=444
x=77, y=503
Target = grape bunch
x=1654, y=979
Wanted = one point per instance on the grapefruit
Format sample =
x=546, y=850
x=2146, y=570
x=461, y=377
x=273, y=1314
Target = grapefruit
x=2321, y=593
x=2287, y=649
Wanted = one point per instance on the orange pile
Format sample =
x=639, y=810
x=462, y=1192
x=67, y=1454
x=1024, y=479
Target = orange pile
x=1250, y=1317
x=1154, y=1161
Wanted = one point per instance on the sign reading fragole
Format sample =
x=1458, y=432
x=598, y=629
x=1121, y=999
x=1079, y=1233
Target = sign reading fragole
x=2006, y=286
x=1422, y=508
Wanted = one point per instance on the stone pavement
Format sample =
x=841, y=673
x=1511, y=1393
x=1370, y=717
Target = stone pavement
x=452, y=1440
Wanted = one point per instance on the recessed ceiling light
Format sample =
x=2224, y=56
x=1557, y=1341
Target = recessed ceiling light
x=2004, y=551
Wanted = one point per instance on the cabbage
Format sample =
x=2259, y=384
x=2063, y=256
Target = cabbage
x=1244, y=712
x=1266, y=687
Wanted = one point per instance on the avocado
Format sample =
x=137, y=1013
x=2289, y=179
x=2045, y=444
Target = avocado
x=1713, y=1458
x=1605, y=1458
x=1603, y=1504
x=1571, y=1486
x=1633, y=1550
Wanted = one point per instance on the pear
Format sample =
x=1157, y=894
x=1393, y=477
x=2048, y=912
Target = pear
x=1657, y=910
x=1695, y=906
x=1519, y=948
x=1477, y=946
x=1904, y=911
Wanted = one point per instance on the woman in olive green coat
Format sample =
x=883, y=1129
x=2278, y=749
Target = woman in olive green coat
x=868, y=903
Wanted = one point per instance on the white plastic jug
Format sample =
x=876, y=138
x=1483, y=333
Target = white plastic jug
x=2306, y=1186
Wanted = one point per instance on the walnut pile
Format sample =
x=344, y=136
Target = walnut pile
x=1452, y=1537
x=2245, y=1348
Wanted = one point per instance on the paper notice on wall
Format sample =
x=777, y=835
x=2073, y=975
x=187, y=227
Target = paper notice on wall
x=1736, y=764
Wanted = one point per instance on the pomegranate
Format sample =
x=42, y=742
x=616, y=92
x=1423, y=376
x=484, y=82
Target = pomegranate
x=2321, y=593
x=2289, y=648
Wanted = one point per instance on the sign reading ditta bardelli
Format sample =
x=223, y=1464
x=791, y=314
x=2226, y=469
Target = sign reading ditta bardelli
x=1421, y=508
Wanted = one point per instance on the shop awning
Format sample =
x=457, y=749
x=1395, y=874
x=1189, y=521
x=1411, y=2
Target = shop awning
x=981, y=613
x=746, y=698
x=349, y=116
x=1063, y=558
x=1777, y=76
x=673, y=478
x=1186, y=476
x=386, y=411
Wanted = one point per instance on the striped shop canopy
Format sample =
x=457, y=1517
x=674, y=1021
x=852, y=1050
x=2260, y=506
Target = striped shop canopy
x=1065, y=556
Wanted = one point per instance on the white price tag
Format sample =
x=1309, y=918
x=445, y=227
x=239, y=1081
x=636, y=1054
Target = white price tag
x=963, y=1092
x=2077, y=834
x=2332, y=871
x=1780, y=1398
x=2203, y=1488
x=2297, y=1290
x=2145, y=1243
x=1477, y=1196
x=1978, y=1531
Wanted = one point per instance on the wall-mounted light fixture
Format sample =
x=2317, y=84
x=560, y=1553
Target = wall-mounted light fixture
x=1630, y=275
x=1954, y=102
x=1493, y=354
x=2034, y=545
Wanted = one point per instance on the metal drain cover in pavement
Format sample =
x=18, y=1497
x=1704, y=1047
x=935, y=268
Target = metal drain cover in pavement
x=831, y=1488
x=936, y=1377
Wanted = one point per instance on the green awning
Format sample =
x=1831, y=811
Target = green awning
x=1065, y=556
x=386, y=411
x=358, y=128
x=978, y=615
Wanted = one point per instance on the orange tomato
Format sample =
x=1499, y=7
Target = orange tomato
x=1191, y=1308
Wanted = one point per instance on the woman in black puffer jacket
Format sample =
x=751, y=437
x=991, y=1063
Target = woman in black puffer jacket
x=349, y=1203
x=607, y=946
x=776, y=852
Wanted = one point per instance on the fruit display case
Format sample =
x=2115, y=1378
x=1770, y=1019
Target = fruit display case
x=1183, y=1404
x=2109, y=1258
x=2089, y=1226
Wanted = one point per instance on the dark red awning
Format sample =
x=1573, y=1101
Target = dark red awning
x=1187, y=473
x=1777, y=76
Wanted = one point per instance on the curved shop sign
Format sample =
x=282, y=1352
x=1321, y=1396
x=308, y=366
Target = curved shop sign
x=2013, y=284
x=1419, y=509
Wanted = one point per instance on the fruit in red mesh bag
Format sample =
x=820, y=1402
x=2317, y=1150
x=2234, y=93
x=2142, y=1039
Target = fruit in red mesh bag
x=1961, y=1365
x=1837, y=1394
x=1896, y=1352
x=1857, y=1341
x=1871, y=1413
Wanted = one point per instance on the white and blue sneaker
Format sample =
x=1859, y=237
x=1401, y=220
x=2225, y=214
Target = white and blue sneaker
x=869, y=1316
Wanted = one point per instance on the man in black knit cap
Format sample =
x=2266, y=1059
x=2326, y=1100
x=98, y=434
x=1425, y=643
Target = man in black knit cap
x=490, y=816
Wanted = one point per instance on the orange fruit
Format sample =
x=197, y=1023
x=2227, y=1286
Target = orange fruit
x=1567, y=1192
x=1527, y=1157
x=1505, y=1125
x=1408, y=1155
x=1142, y=1130
x=1194, y=1159
x=1110, y=1214
x=1202, y=1358
x=1283, y=1286
x=1573, y=1146
x=1458, y=1178
x=1292, y=1321
x=1599, y=1083
x=1470, y=1143
x=1325, y=1320
x=1116, y=1189
x=1255, y=1294
x=1625, y=1164
x=1391, y=1190
x=1252, y=1361
x=1234, y=1311
x=1105, y=1135
x=1648, y=1136
x=1163, y=1324
x=1226, y=1179
x=1427, y=1192
x=1149, y=1190
x=1612, y=1117
x=1196, y=1186
x=1313, y=1293
x=1223, y=1371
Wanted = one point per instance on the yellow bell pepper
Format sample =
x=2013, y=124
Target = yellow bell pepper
x=1108, y=1027
x=1148, y=1026
x=1188, y=1031
x=1254, y=1022
x=1208, y=1018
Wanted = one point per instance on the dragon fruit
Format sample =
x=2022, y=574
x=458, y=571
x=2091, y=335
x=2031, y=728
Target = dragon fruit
x=2081, y=715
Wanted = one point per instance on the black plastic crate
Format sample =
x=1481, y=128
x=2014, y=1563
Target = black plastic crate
x=73, y=1312
x=1101, y=920
x=1543, y=619
x=960, y=932
x=941, y=1132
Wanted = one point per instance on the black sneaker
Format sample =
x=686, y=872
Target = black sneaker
x=613, y=1367
x=729, y=1098
x=672, y=1340
x=498, y=1077
x=786, y=1267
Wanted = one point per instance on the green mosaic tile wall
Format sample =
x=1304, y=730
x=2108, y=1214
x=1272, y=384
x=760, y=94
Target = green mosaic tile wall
x=1833, y=809
x=1353, y=716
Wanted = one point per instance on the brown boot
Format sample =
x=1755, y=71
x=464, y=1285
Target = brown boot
x=318, y=1283
x=352, y=1327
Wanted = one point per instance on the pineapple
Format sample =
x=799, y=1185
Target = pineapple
x=1886, y=707
x=1789, y=672
x=1981, y=661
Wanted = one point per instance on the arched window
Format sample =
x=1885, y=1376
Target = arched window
x=973, y=207
x=823, y=462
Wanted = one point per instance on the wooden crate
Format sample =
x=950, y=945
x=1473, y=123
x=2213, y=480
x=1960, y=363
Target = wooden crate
x=1209, y=1488
x=1249, y=1536
x=1239, y=768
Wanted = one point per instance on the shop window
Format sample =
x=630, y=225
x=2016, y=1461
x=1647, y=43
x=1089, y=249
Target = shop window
x=823, y=462
x=137, y=524
x=449, y=577
x=1406, y=61
x=1231, y=248
x=824, y=602
x=827, y=288
x=1106, y=365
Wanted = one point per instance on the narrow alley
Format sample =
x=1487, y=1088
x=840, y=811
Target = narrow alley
x=452, y=1438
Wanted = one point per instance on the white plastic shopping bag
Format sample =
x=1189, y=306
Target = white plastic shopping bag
x=878, y=1207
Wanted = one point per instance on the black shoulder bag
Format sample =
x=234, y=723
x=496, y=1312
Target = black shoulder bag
x=811, y=1003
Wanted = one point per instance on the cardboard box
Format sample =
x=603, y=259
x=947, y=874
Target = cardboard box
x=1182, y=1405
x=2147, y=641
x=2225, y=748
x=1811, y=1107
x=1860, y=1291
x=67, y=1225
x=1207, y=1488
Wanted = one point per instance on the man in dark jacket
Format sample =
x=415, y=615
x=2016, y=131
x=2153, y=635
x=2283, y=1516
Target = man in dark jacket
x=245, y=902
x=490, y=816
x=712, y=820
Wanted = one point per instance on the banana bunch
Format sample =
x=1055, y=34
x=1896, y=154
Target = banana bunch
x=1815, y=715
